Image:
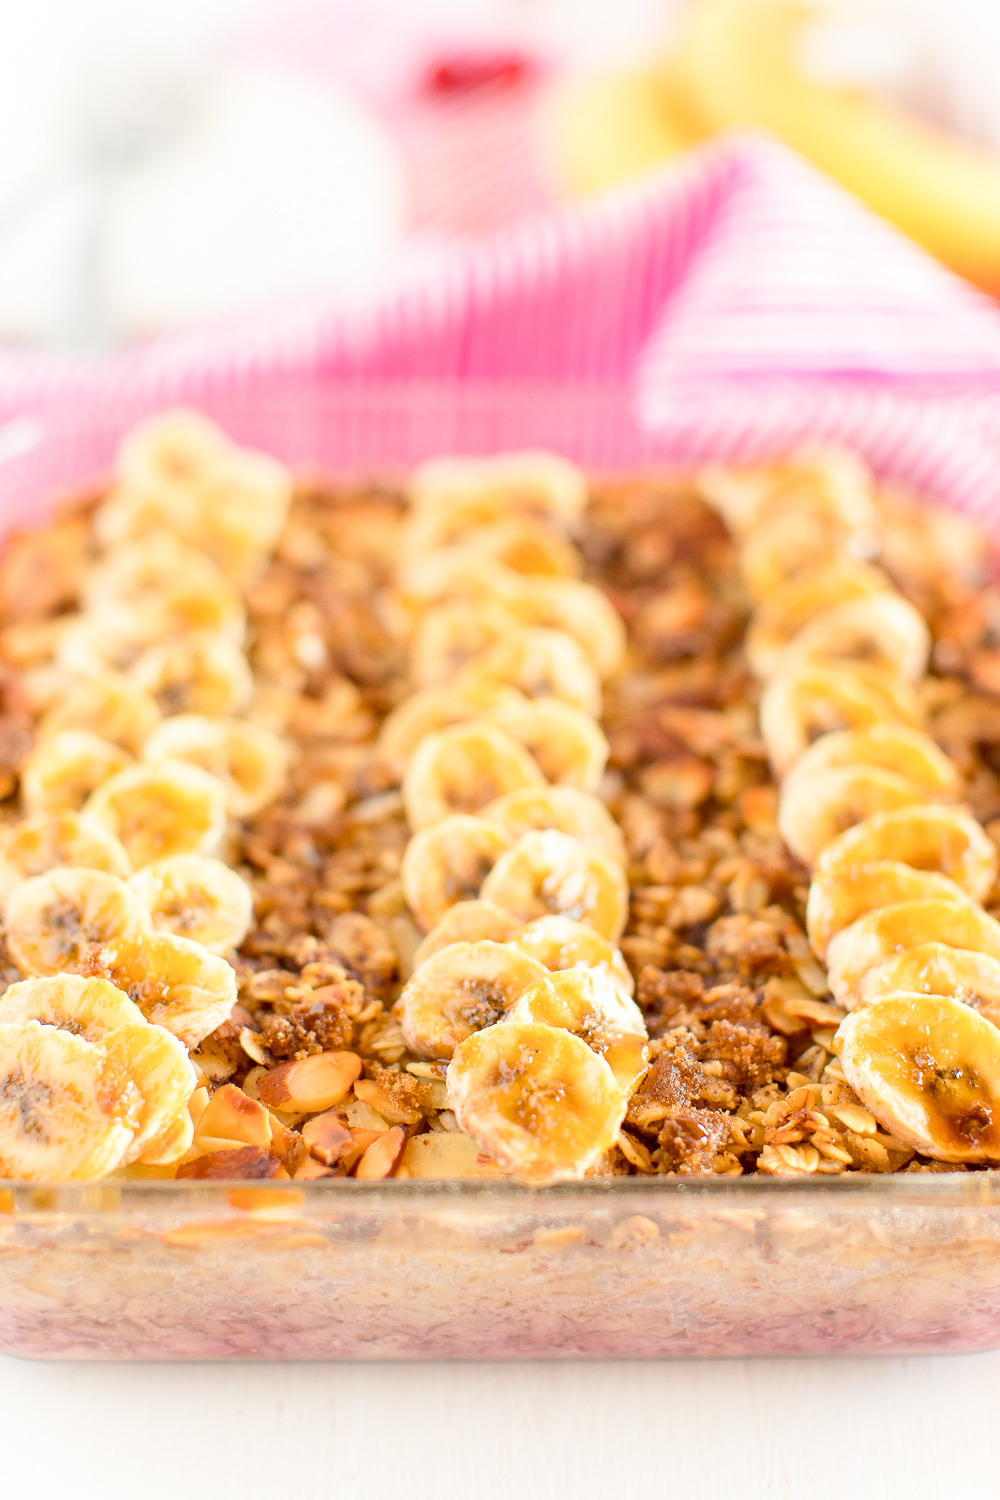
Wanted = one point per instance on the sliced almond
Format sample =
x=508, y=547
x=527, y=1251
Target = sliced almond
x=369, y=1093
x=247, y=1161
x=384, y=1155
x=361, y=1116
x=231, y=1114
x=855, y=1117
x=311, y=1084
x=204, y=1145
x=197, y=1104
x=327, y=1137
x=817, y=1012
x=252, y=1045
x=447, y=1154
x=309, y=1170
x=287, y=1145
x=212, y=1062
x=363, y=1137
x=634, y=1151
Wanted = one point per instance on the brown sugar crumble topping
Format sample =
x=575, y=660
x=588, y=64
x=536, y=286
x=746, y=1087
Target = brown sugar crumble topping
x=310, y=1074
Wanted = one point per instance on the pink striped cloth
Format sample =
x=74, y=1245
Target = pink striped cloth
x=733, y=306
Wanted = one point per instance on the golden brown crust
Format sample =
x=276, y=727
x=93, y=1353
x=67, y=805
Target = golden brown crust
x=742, y=1076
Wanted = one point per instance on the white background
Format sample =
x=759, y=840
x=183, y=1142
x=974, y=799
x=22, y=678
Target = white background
x=879, y=1429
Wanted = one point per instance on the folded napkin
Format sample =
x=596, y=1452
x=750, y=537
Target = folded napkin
x=732, y=306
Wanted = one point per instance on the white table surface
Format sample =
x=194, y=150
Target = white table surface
x=923, y=1429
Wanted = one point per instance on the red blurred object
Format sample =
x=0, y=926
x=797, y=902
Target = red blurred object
x=471, y=72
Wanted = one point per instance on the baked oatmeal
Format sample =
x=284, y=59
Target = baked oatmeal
x=496, y=823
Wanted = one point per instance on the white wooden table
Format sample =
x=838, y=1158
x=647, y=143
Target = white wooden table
x=880, y=1429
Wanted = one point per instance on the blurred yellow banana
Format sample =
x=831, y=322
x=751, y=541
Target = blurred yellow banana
x=736, y=61
x=612, y=126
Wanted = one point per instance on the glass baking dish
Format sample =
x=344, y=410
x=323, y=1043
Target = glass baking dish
x=339, y=1269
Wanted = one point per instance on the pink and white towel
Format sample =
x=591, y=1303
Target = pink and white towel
x=732, y=306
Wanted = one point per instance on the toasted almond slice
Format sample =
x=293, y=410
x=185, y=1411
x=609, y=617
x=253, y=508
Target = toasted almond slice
x=367, y=1090
x=328, y=1137
x=448, y=1154
x=231, y=1114
x=384, y=1155
x=310, y=1170
x=310, y=1084
x=225, y=1166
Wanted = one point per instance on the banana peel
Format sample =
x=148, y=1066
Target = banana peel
x=609, y=127
x=734, y=65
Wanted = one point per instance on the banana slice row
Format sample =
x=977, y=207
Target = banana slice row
x=515, y=870
x=871, y=805
x=113, y=899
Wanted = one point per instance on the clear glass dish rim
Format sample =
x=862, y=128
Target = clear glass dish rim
x=871, y=1190
x=61, y=426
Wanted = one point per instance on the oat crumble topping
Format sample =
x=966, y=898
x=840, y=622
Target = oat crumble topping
x=742, y=1075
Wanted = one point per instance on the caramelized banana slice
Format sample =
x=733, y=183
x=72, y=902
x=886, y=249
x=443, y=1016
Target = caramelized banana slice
x=840, y=897
x=68, y=1111
x=448, y=862
x=176, y=984
x=172, y=588
x=179, y=473
x=813, y=809
x=928, y=1068
x=463, y=768
x=527, y=545
x=543, y=664
x=451, y=636
x=108, y=705
x=536, y=1098
x=565, y=809
x=46, y=840
x=251, y=760
x=450, y=495
x=785, y=546
x=92, y=645
x=453, y=573
x=560, y=943
x=460, y=990
x=908, y=752
x=582, y=611
x=780, y=616
x=467, y=922
x=829, y=481
x=883, y=631
x=590, y=1005
x=158, y=1065
x=196, y=897
x=241, y=514
x=155, y=1062
x=424, y=712
x=160, y=810
x=547, y=873
x=893, y=929
x=54, y=919
x=569, y=747
x=171, y=456
x=925, y=838
x=90, y=1008
x=799, y=705
x=61, y=770
x=936, y=969
x=195, y=674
